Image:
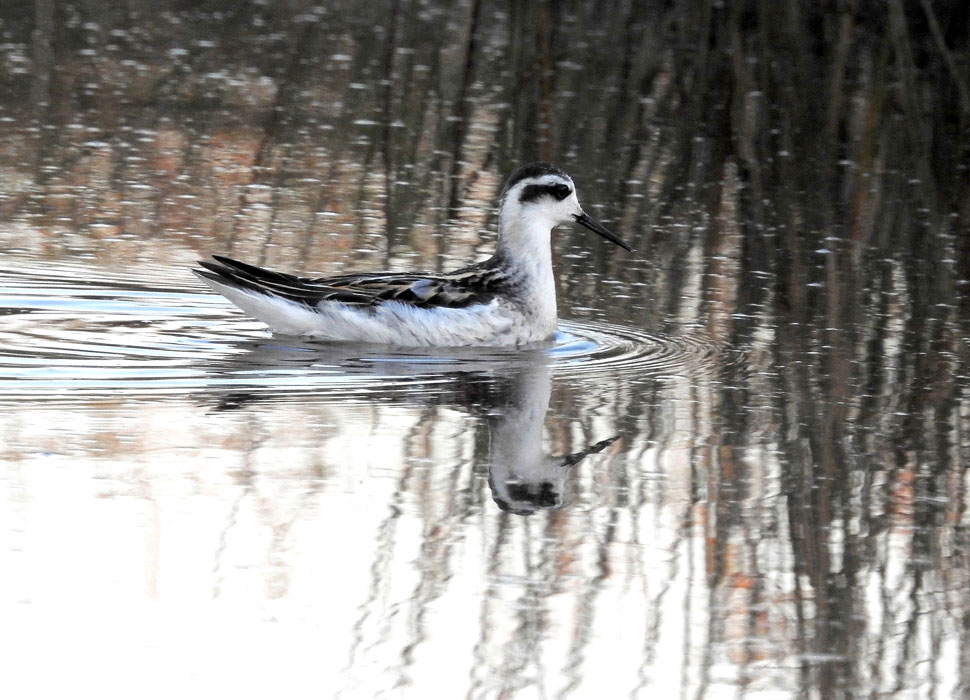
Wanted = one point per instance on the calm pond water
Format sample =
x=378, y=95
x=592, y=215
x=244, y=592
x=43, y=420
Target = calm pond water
x=739, y=470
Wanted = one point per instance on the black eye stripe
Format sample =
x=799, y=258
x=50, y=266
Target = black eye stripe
x=531, y=193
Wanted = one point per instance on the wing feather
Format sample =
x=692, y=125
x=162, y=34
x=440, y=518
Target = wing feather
x=472, y=285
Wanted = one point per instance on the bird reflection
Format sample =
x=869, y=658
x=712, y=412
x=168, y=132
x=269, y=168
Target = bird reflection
x=511, y=391
x=522, y=476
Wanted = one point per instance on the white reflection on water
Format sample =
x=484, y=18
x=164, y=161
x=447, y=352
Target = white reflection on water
x=179, y=482
x=189, y=500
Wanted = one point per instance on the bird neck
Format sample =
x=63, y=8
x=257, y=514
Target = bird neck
x=524, y=247
x=524, y=241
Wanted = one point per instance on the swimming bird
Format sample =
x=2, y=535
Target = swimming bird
x=507, y=300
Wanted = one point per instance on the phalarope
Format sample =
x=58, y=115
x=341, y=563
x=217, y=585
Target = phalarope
x=509, y=299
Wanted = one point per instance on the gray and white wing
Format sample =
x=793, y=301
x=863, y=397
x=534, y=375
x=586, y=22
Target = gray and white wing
x=474, y=285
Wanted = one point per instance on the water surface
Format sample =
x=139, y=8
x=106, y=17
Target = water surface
x=738, y=470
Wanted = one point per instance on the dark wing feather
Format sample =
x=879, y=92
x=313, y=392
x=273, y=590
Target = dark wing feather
x=472, y=285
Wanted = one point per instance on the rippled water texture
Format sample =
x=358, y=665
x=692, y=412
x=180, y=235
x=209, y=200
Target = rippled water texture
x=739, y=469
x=84, y=332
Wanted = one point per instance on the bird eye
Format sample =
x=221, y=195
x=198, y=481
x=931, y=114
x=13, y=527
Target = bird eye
x=533, y=193
x=561, y=191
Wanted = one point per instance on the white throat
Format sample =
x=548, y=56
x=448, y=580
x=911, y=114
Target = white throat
x=524, y=242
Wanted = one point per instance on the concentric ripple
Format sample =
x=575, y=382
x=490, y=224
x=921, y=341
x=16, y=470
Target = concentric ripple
x=65, y=336
x=590, y=346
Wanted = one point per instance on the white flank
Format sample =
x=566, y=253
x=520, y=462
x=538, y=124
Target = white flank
x=391, y=323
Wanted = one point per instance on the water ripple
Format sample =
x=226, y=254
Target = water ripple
x=65, y=337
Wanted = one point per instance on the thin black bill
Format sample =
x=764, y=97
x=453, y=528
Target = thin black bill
x=595, y=226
